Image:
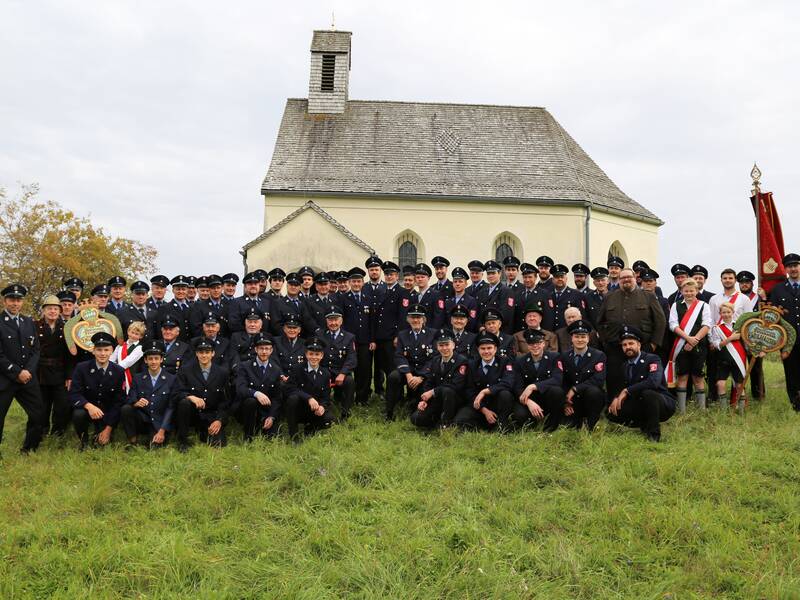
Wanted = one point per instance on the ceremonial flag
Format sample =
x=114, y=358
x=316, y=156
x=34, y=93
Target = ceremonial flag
x=770, y=241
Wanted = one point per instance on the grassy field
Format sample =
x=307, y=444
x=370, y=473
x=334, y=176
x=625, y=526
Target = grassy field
x=375, y=511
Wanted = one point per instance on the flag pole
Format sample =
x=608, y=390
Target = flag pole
x=755, y=175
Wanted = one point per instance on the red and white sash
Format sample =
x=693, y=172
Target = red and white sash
x=735, y=349
x=732, y=300
x=123, y=354
x=687, y=323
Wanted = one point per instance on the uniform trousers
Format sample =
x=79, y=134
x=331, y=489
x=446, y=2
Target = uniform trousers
x=587, y=406
x=645, y=410
x=297, y=411
x=136, y=421
x=396, y=386
x=190, y=417
x=551, y=400
x=363, y=372
x=30, y=399
x=501, y=403
x=441, y=408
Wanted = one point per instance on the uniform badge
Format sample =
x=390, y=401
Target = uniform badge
x=598, y=367
x=509, y=367
x=405, y=302
x=550, y=302
x=511, y=302
x=558, y=364
x=653, y=367
x=441, y=304
x=472, y=314
x=462, y=369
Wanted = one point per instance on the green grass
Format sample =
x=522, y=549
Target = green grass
x=375, y=511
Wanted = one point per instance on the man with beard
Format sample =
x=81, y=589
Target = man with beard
x=579, y=273
x=631, y=306
x=787, y=296
x=544, y=264
x=643, y=401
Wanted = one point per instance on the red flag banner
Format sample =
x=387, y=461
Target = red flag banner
x=770, y=241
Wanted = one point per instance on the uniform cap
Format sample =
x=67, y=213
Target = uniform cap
x=316, y=344
x=615, y=261
x=333, y=312
x=66, y=296
x=161, y=280
x=322, y=277
x=153, y=347
x=277, y=273
x=511, y=261
x=251, y=277
x=579, y=326
x=140, y=286
x=117, y=280
x=444, y=336
x=101, y=338
x=491, y=315
x=356, y=273
x=742, y=276
x=599, y=272
x=263, y=340
x=390, y=267
x=679, y=269
x=527, y=268
x=73, y=283
x=459, y=273
x=701, y=270
x=639, y=265
x=179, y=280
x=203, y=343
x=533, y=335
x=373, y=261
x=559, y=269
x=293, y=279
x=416, y=310
x=791, y=259
x=487, y=338
x=545, y=261
x=15, y=290
x=476, y=266
x=629, y=332
x=491, y=265
x=214, y=279
x=100, y=290
x=423, y=269
x=230, y=278
x=459, y=310
x=440, y=261
x=649, y=275
x=580, y=269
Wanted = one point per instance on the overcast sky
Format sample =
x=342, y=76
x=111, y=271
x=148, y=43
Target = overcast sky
x=159, y=118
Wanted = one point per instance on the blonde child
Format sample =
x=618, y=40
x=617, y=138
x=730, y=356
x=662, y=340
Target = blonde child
x=732, y=359
x=129, y=354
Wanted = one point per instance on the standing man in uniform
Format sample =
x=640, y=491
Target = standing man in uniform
x=594, y=299
x=544, y=264
x=527, y=294
x=239, y=307
x=19, y=363
x=117, y=304
x=580, y=272
x=357, y=312
x=746, y=279
x=615, y=264
x=158, y=291
x=461, y=298
x=389, y=312
x=787, y=295
x=511, y=267
x=443, y=285
x=476, y=278
x=559, y=299
x=497, y=296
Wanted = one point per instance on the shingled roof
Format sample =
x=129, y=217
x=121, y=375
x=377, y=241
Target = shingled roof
x=465, y=151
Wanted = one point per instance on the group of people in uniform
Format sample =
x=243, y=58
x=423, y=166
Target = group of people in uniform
x=497, y=346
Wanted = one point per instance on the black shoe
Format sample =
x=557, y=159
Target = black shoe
x=654, y=436
x=183, y=447
x=130, y=447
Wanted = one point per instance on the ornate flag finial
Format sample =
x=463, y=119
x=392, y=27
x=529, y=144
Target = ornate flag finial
x=755, y=174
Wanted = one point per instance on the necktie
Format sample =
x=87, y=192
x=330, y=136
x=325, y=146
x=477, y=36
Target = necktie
x=16, y=322
x=358, y=298
x=796, y=286
x=205, y=375
x=263, y=370
x=485, y=369
x=630, y=372
x=577, y=359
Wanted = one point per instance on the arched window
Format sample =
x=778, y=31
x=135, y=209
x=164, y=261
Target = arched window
x=410, y=250
x=616, y=249
x=506, y=244
x=407, y=254
x=502, y=251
